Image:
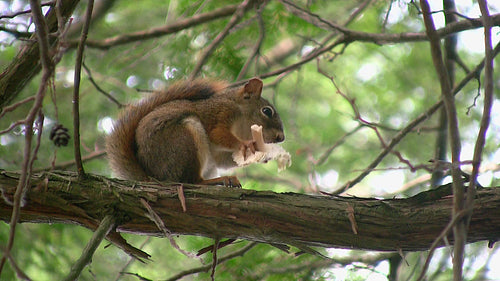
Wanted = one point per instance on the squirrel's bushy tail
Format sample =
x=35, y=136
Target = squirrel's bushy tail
x=121, y=146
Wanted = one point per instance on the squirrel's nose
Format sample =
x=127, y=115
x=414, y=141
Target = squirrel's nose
x=280, y=137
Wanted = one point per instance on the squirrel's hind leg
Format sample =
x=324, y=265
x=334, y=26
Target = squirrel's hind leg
x=166, y=149
x=208, y=166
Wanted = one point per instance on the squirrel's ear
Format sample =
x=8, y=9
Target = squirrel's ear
x=253, y=88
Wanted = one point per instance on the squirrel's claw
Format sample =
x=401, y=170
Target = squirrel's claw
x=232, y=181
x=247, y=145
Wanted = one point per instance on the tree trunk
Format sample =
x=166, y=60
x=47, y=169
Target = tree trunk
x=279, y=218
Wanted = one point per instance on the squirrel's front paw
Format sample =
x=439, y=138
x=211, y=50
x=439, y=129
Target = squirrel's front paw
x=247, y=147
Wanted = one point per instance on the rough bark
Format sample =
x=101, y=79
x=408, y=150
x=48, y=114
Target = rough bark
x=279, y=218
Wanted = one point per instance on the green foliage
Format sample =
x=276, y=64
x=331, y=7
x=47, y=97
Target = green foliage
x=389, y=84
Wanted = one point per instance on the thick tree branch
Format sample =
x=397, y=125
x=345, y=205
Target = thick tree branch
x=293, y=219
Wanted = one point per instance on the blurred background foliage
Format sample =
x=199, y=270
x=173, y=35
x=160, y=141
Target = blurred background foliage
x=390, y=84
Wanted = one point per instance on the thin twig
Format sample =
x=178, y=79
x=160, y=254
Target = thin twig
x=312, y=55
x=340, y=141
x=381, y=38
x=39, y=129
x=257, y=46
x=19, y=273
x=76, y=92
x=153, y=216
x=460, y=215
x=106, y=225
x=413, y=124
x=312, y=18
x=63, y=165
x=214, y=258
x=98, y=88
x=488, y=102
x=459, y=231
x=316, y=264
x=12, y=126
x=47, y=70
x=207, y=267
x=120, y=242
x=238, y=14
x=28, y=11
x=450, y=50
x=365, y=123
x=60, y=19
x=178, y=25
x=386, y=17
x=16, y=105
x=17, y=34
x=359, y=9
x=352, y=35
x=129, y=262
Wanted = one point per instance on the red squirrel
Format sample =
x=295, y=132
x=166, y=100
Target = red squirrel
x=188, y=131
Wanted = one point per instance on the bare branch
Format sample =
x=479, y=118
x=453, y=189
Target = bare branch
x=238, y=14
x=318, y=264
x=12, y=126
x=122, y=272
x=351, y=35
x=179, y=24
x=161, y=226
x=413, y=124
x=220, y=260
x=340, y=141
x=450, y=49
x=460, y=215
x=47, y=71
x=20, y=274
x=106, y=225
x=98, y=88
x=69, y=163
x=76, y=89
x=488, y=103
x=256, y=49
x=314, y=54
x=14, y=106
x=24, y=12
x=459, y=230
x=383, y=38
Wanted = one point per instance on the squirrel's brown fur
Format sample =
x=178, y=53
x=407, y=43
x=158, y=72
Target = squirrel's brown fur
x=189, y=130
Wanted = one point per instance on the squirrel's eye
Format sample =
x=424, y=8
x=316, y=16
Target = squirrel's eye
x=267, y=111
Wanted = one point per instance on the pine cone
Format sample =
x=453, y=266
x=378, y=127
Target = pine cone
x=59, y=135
